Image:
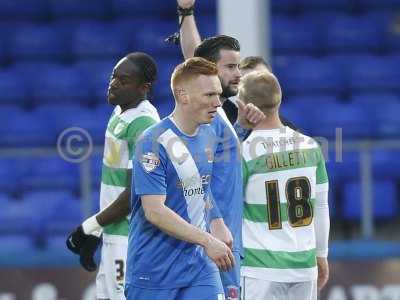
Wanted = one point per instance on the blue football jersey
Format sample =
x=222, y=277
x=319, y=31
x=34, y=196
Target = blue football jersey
x=226, y=182
x=168, y=162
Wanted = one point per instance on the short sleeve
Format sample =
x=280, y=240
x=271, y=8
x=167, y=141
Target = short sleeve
x=135, y=129
x=149, y=168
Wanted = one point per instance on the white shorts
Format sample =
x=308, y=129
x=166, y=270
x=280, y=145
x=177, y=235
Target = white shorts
x=258, y=289
x=110, y=280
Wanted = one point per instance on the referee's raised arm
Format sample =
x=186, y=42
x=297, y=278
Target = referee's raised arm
x=189, y=34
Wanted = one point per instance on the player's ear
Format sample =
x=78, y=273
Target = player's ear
x=145, y=87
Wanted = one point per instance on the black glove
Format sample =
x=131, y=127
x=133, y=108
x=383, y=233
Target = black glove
x=76, y=240
x=85, y=245
x=87, y=253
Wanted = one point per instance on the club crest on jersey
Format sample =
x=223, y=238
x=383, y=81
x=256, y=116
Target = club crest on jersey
x=233, y=292
x=210, y=155
x=118, y=129
x=149, y=161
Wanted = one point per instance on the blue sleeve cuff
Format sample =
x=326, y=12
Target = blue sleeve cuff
x=241, y=132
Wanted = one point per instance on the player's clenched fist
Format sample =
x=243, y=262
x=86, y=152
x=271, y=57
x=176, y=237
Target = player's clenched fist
x=219, y=252
x=185, y=3
x=85, y=245
x=249, y=115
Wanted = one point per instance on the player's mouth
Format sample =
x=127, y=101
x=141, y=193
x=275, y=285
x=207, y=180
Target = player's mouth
x=212, y=113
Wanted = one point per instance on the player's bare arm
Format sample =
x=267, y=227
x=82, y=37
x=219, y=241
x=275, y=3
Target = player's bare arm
x=189, y=34
x=323, y=272
x=219, y=230
x=171, y=223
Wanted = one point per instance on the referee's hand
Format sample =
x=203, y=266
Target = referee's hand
x=185, y=3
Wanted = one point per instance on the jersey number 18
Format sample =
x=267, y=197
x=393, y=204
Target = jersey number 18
x=299, y=208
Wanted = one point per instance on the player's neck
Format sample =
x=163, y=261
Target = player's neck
x=184, y=123
x=270, y=122
x=132, y=104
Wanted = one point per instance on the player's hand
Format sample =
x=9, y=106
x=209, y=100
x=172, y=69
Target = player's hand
x=249, y=115
x=220, y=231
x=219, y=253
x=185, y=3
x=76, y=240
x=87, y=253
x=85, y=245
x=323, y=272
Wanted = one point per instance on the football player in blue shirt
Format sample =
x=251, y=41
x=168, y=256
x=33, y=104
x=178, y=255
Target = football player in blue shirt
x=170, y=253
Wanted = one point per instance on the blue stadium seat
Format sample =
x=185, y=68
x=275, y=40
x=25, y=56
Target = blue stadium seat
x=31, y=212
x=14, y=248
x=343, y=5
x=385, y=164
x=162, y=89
x=150, y=39
x=371, y=100
x=384, y=78
x=206, y=7
x=163, y=98
x=86, y=120
x=61, y=85
x=384, y=199
x=95, y=200
x=3, y=51
x=309, y=75
x=387, y=122
x=96, y=163
x=343, y=165
x=14, y=88
x=302, y=110
x=79, y=9
x=104, y=111
x=352, y=119
x=382, y=4
x=285, y=6
x=65, y=216
x=23, y=9
x=207, y=25
x=9, y=179
x=5, y=198
x=23, y=129
x=393, y=33
x=51, y=173
x=136, y=8
x=38, y=42
x=294, y=35
x=353, y=34
x=99, y=40
x=98, y=74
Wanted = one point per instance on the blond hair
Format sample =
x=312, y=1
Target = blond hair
x=190, y=69
x=262, y=89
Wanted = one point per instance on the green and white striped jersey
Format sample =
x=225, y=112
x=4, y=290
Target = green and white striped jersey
x=123, y=129
x=283, y=171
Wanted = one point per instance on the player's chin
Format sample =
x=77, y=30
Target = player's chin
x=113, y=100
x=207, y=120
